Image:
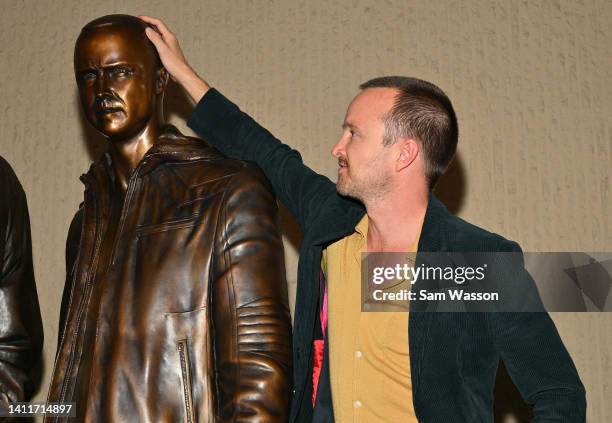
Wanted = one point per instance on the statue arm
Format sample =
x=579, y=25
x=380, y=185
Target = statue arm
x=21, y=333
x=251, y=318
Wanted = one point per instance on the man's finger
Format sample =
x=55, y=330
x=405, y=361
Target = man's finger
x=161, y=26
x=156, y=39
x=150, y=19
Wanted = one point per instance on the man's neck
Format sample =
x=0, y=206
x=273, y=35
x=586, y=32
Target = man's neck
x=126, y=154
x=395, y=222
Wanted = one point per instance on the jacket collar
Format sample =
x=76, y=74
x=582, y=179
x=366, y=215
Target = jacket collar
x=433, y=233
x=433, y=239
x=337, y=221
x=171, y=147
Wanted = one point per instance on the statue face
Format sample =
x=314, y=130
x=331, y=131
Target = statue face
x=116, y=75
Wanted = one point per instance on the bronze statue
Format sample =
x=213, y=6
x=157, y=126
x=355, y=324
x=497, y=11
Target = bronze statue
x=175, y=305
x=21, y=332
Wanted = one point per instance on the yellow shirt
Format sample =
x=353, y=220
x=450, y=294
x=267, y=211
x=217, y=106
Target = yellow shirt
x=368, y=351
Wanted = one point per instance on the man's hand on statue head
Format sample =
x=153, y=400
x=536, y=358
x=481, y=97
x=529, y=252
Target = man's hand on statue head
x=173, y=59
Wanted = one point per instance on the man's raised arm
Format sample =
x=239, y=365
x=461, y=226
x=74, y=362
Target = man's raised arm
x=237, y=135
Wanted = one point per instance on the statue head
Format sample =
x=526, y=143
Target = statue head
x=120, y=77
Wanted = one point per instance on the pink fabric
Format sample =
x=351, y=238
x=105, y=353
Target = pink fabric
x=319, y=344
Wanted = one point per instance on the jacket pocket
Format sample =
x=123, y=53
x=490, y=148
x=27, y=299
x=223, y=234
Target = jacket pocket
x=166, y=226
x=190, y=367
x=185, y=364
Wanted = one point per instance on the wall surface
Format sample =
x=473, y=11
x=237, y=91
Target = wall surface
x=531, y=83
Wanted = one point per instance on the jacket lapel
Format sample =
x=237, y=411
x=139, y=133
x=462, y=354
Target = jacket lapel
x=337, y=227
x=432, y=239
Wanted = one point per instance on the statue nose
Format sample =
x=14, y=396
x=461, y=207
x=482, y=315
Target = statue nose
x=101, y=84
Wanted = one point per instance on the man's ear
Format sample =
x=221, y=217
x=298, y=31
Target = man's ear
x=162, y=80
x=408, y=152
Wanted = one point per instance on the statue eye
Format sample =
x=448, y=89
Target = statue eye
x=88, y=76
x=120, y=72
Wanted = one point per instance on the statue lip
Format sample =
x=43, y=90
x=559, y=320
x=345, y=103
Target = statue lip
x=107, y=104
x=103, y=109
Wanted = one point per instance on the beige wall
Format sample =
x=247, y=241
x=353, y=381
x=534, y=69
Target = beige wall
x=531, y=82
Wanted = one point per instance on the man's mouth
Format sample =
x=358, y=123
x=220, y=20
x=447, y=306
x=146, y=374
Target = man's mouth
x=342, y=163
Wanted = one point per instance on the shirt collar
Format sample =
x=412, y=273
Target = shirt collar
x=362, y=230
x=362, y=226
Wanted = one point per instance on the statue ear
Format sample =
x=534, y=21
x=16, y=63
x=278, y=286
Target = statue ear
x=162, y=80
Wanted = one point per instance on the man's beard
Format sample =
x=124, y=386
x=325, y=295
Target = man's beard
x=366, y=188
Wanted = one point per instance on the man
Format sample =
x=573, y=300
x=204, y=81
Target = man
x=21, y=332
x=175, y=306
x=399, y=135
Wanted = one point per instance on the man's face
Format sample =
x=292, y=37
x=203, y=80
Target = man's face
x=365, y=164
x=116, y=76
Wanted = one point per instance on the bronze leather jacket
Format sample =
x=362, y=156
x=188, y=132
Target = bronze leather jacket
x=193, y=324
x=21, y=332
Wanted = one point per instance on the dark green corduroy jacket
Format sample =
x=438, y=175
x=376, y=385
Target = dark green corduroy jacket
x=453, y=356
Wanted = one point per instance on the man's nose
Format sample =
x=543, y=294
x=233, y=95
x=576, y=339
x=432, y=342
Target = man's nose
x=338, y=149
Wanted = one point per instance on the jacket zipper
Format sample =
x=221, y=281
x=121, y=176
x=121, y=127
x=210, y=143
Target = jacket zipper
x=94, y=262
x=126, y=205
x=186, y=376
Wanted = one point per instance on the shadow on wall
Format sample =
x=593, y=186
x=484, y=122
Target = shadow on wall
x=95, y=143
x=508, y=404
x=451, y=188
x=176, y=102
x=37, y=384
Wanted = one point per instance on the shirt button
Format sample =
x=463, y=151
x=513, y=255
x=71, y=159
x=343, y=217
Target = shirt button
x=357, y=404
x=358, y=354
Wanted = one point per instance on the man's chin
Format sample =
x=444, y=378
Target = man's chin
x=345, y=191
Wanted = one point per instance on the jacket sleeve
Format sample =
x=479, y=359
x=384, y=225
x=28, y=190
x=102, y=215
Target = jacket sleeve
x=251, y=319
x=21, y=333
x=237, y=135
x=538, y=363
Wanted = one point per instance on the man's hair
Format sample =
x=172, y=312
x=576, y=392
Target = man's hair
x=125, y=21
x=423, y=112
